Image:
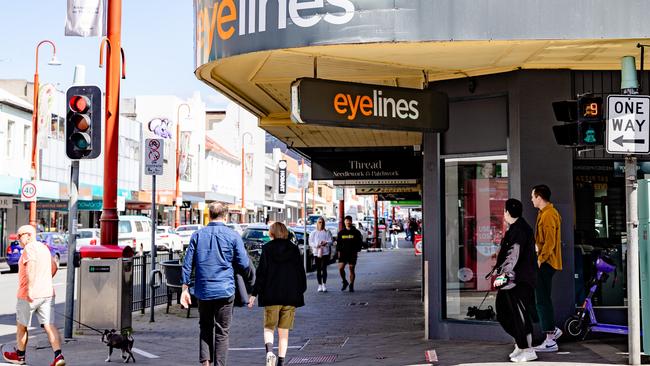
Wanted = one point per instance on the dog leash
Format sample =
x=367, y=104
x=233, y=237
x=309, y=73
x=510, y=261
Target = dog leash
x=484, y=297
x=80, y=323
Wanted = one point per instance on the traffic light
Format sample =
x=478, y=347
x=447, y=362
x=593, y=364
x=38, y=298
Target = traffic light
x=83, y=130
x=585, y=125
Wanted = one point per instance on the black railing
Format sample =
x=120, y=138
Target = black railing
x=141, y=289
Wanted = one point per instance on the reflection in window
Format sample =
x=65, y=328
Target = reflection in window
x=475, y=193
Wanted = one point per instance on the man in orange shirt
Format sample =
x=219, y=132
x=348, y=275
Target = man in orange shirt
x=549, y=260
x=36, y=268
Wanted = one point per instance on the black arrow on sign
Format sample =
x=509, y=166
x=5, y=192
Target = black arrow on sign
x=620, y=141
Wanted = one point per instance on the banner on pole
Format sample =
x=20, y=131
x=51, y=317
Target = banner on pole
x=47, y=99
x=85, y=18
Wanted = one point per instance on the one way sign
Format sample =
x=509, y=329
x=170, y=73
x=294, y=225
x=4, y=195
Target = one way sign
x=628, y=124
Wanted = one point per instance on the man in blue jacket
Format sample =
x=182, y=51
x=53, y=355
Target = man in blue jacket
x=215, y=253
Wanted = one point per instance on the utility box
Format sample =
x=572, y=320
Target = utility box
x=105, y=294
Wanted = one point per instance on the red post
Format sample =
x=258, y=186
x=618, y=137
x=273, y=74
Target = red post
x=376, y=225
x=109, y=219
x=341, y=212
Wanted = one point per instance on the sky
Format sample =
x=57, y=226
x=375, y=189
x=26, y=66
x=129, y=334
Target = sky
x=157, y=38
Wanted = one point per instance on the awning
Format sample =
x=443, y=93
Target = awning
x=273, y=204
x=208, y=196
x=292, y=204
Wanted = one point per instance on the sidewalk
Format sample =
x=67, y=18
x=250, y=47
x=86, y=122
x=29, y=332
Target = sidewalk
x=382, y=323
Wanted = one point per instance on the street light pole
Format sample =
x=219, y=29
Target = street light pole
x=243, y=157
x=177, y=215
x=53, y=61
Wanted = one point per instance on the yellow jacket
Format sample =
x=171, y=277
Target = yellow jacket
x=547, y=237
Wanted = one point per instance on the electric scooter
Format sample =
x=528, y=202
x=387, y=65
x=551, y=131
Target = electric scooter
x=579, y=325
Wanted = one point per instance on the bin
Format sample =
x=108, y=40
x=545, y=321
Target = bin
x=105, y=294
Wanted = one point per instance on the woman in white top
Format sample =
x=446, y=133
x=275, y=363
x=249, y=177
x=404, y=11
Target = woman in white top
x=320, y=241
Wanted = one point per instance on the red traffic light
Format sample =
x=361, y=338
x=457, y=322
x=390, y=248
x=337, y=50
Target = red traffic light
x=79, y=103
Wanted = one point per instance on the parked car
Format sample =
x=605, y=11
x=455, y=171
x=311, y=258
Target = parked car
x=186, y=231
x=57, y=244
x=256, y=235
x=135, y=231
x=167, y=239
x=87, y=237
x=237, y=227
x=14, y=249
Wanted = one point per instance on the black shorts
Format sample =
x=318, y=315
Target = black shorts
x=349, y=258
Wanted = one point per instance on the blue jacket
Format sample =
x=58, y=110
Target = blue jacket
x=215, y=252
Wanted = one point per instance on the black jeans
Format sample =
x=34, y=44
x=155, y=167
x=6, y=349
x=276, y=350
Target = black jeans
x=321, y=269
x=514, y=309
x=215, y=317
x=543, y=296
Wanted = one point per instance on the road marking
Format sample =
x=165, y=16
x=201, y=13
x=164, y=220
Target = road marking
x=143, y=353
x=259, y=348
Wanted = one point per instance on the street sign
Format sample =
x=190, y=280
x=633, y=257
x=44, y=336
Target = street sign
x=303, y=180
x=627, y=124
x=6, y=202
x=153, y=156
x=28, y=192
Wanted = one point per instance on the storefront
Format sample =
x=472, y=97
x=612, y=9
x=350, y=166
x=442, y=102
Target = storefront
x=501, y=64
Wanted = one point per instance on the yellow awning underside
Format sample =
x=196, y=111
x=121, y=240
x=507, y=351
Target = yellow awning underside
x=261, y=81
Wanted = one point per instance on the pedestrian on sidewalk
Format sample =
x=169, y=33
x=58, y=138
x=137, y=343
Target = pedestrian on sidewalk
x=394, y=230
x=348, y=246
x=549, y=260
x=320, y=241
x=516, y=270
x=280, y=284
x=36, y=267
x=215, y=253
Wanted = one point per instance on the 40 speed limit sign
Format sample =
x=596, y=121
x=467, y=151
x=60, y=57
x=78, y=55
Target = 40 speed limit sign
x=28, y=192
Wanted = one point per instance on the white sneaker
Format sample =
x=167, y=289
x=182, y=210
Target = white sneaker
x=320, y=288
x=525, y=355
x=271, y=359
x=557, y=333
x=547, y=346
x=324, y=288
x=516, y=352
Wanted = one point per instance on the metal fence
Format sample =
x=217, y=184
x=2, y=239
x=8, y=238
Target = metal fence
x=141, y=288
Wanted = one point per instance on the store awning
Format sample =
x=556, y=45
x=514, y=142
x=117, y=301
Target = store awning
x=273, y=204
x=208, y=197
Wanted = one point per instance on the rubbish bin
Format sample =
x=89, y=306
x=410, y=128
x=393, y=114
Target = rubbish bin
x=104, y=293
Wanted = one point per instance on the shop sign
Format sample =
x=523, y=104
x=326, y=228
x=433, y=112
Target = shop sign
x=50, y=206
x=6, y=202
x=93, y=205
x=282, y=183
x=359, y=165
x=406, y=203
x=360, y=191
x=340, y=104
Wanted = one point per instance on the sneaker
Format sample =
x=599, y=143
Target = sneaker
x=547, y=346
x=516, y=352
x=320, y=288
x=557, y=333
x=345, y=285
x=58, y=361
x=12, y=357
x=324, y=288
x=271, y=359
x=525, y=355
x=351, y=287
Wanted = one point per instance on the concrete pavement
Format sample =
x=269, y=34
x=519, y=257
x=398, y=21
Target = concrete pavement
x=382, y=323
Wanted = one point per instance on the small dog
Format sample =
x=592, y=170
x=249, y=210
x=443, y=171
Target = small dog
x=123, y=342
x=478, y=314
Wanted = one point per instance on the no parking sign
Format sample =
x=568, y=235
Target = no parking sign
x=418, y=244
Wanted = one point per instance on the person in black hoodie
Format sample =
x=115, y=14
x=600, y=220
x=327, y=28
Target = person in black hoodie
x=280, y=284
x=516, y=270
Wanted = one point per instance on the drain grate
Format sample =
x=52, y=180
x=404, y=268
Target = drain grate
x=358, y=304
x=330, y=341
x=311, y=360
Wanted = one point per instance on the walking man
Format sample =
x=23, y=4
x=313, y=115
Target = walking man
x=215, y=253
x=549, y=260
x=36, y=267
x=348, y=245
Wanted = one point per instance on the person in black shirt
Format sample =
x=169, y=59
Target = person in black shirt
x=348, y=245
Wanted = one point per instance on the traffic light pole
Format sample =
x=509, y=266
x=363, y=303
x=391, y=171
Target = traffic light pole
x=109, y=219
x=72, y=247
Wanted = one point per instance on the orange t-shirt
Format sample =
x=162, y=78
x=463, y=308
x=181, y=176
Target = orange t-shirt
x=35, y=272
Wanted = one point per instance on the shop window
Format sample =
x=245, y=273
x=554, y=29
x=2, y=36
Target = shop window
x=475, y=193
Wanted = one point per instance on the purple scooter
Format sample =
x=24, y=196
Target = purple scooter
x=579, y=325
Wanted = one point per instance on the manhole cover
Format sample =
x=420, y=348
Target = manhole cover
x=311, y=360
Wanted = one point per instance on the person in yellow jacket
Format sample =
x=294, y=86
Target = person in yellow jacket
x=549, y=261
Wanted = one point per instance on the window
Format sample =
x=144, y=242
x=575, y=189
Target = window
x=26, y=141
x=475, y=193
x=138, y=226
x=124, y=227
x=11, y=137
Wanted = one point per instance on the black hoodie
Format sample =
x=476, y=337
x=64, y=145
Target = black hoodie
x=280, y=276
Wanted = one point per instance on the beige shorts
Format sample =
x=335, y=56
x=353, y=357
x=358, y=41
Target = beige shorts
x=43, y=307
x=280, y=316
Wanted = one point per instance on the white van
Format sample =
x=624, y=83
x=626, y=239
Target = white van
x=135, y=231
